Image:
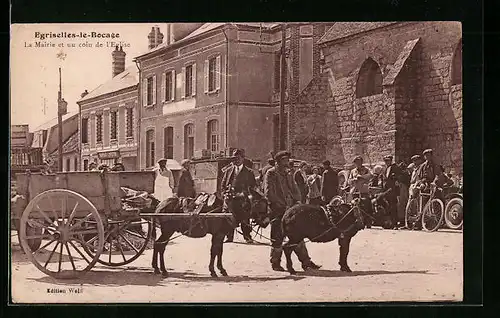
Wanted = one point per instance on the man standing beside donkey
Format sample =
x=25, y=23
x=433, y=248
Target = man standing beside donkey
x=282, y=193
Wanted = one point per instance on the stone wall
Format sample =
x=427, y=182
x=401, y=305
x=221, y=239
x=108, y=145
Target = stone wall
x=418, y=107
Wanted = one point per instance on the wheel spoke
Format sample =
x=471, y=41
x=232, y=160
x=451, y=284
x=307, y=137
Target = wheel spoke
x=44, y=215
x=87, y=244
x=52, y=206
x=51, y=253
x=70, y=257
x=63, y=208
x=72, y=215
x=78, y=251
x=60, y=258
x=41, y=248
x=128, y=242
x=135, y=234
x=121, y=250
x=110, y=248
x=33, y=222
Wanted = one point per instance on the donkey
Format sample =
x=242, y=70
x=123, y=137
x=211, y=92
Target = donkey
x=198, y=227
x=322, y=224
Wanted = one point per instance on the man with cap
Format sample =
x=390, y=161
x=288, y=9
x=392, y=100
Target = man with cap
x=429, y=169
x=241, y=179
x=358, y=179
x=282, y=193
x=329, y=182
x=391, y=182
x=300, y=178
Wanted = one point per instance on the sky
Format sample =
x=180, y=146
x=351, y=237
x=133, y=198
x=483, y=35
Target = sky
x=35, y=70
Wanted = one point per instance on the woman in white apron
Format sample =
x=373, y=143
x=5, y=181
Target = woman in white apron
x=164, y=182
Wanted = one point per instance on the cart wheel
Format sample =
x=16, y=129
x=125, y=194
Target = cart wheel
x=453, y=214
x=61, y=218
x=124, y=241
x=411, y=213
x=433, y=215
x=35, y=243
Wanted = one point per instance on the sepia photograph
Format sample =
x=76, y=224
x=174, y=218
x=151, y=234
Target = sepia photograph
x=258, y=162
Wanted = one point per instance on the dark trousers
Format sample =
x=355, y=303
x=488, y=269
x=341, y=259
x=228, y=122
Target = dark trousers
x=246, y=228
x=277, y=241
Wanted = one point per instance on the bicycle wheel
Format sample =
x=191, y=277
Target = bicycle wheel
x=433, y=215
x=411, y=213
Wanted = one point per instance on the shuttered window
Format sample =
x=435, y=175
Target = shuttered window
x=188, y=141
x=168, y=142
x=150, y=148
x=85, y=130
x=130, y=122
x=114, y=127
x=98, y=121
x=213, y=135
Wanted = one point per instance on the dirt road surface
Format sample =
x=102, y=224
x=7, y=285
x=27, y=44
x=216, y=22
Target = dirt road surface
x=388, y=265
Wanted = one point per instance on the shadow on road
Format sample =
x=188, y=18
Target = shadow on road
x=145, y=277
x=330, y=273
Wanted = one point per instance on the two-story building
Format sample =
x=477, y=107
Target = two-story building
x=218, y=88
x=108, y=117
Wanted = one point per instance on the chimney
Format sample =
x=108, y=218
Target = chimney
x=155, y=38
x=118, y=64
x=168, y=32
x=84, y=94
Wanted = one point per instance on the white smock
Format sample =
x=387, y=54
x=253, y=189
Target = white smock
x=164, y=183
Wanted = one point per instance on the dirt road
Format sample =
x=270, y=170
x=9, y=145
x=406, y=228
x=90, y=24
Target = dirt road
x=388, y=266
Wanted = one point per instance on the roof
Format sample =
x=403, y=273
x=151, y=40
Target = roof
x=70, y=145
x=53, y=122
x=400, y=62
x=344, y=29
x=127, y=78
x=206, y=28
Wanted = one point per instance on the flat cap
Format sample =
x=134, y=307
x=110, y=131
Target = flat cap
x=427, y=151
x=416, y=157
x=357, y=158
x=388, y=157
x=281, y=155
x=237, y=152
x=185, y=162
x=326, y=162
x=161, y=160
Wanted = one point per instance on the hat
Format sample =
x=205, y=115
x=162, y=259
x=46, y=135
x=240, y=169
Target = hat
x=281, y=155
x=377, y=169
x=427, y=151
x=416, y=157
x=237, y=152
x=303, y=164
x=389, y=157
x=358, y=158
x=271, y=161
x=326, y=162
x=185, y=161
x=162, y=160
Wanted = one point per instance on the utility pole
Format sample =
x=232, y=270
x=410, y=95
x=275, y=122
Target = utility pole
x=282, y=122
x=61, y=110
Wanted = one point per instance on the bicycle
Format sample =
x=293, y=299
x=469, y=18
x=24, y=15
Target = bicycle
x=430, y=213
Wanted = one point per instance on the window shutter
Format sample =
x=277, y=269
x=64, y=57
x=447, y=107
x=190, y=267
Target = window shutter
x=163, y=87
x=183, y=86
x=193, y=78
x=173, y=85
x=205, y=76
x=145, y=92
x=154, y=89
x=218, y=73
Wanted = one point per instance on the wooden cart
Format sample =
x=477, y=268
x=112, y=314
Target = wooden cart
x=74, y=220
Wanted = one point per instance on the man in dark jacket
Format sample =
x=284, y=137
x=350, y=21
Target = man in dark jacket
x=300, y=178
x=282, y=193
x=185, y=186
x=241, y=179
x=329, y=182
x=391, y=181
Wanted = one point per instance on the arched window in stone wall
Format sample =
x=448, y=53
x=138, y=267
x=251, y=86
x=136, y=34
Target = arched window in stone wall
x=456, y=65
x=369, y=79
